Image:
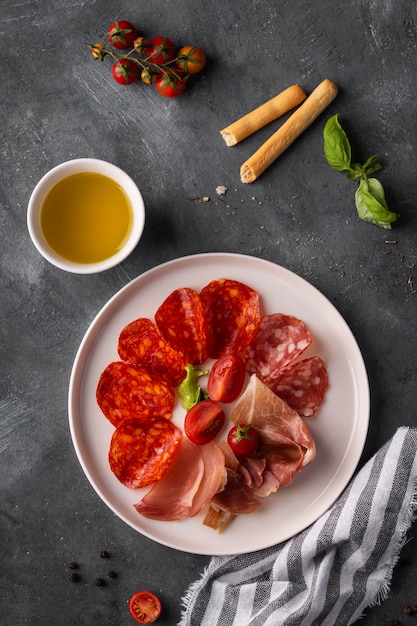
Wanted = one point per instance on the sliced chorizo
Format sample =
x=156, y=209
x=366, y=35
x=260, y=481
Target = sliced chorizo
x=141, y=343
x=303, y=386
x=232, y=314
x=280, y=340
x=125, y=390
x=141, y=451
x=180, y=320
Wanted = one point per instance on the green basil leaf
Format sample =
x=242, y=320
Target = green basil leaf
x=371, y=204
x=337, y=148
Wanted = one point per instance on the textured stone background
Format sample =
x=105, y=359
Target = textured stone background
x=56, y=103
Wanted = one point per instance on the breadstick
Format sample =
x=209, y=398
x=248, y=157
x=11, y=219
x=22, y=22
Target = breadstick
x=263, y=115
x=301, y=119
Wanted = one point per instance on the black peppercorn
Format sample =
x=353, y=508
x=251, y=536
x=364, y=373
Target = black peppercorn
x=99, y=582
x=111, y=574
x=73, y=577
x=73, y=565
x=104, y=554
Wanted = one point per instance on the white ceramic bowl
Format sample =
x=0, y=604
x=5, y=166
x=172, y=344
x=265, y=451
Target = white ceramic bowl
x=77, y=166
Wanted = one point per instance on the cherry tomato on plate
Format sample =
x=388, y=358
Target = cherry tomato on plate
x=204, y=421
x=191, y=59
x=122, y=34
x=145, y=607
x=226, y=378
x=160, y=50
x=169, y=85
x=243, y=440
x=125, y=72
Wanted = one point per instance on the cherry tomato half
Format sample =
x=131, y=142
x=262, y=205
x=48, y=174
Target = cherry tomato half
x=145, y=607
x=160, y=50
x=204, y=421
x=226, y=378
x=125, y=72
x=191, y=59
x=122, y=34
x=243, y=440
x=169, y=85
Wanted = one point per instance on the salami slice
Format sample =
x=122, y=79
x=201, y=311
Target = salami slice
x=303, y=386
x=180, y=320
x=141, y=451
x=141, y=343
x=126, y=390
x=280, y=340
x=232, y=314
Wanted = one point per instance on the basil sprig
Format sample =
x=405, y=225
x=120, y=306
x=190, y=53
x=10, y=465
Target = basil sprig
x=369, y=197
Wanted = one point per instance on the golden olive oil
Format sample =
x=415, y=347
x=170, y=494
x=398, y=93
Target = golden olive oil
x=86, y=218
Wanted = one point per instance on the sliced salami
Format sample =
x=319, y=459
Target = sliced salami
x=303, y=386
x=126, y=391
x=180, y=319
x=280, y=340
x=141, y=451
x=232, y=314
x=141, y=343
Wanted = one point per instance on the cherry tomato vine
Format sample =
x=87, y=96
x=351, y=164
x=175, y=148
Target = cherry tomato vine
x=158, y=61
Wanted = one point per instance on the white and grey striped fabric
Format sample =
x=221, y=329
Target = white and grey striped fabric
x=331, y=572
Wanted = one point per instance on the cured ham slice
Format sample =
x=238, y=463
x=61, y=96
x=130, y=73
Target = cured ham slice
x=236, y=498
x=303, y=386
x=214, y=477
x=172, y=497
x=276, y=422
x=280, y=340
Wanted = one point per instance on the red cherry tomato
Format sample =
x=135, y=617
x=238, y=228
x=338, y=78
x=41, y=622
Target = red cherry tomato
x=226, y=378
x=161, y=50
x=204, y=421
x=122, y=34
x=145, y=607
x=169, y=85
x=125, y=72
x=243, y=440
x=191, y=59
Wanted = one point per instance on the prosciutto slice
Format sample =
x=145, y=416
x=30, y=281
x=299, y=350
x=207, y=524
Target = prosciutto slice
x=193, y=478
x=213, y=479
x=171, y=498
x=236, y=498
x=277, y=423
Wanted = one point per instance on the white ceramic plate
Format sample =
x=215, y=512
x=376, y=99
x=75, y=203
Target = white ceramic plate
x=339, y=429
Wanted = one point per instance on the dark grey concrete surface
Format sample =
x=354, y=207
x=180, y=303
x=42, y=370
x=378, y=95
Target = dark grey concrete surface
x=56, y=103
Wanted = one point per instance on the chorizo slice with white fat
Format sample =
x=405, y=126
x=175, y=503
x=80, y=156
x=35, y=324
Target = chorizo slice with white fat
x=232, y=314
x=303, y=386
x=125, y=391
x=141, y=452
x=141, y=343
x=180, y=319
x=280, y=340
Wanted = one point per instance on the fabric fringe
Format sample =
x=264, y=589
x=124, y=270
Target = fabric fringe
x=410, y=516
x=187, y=600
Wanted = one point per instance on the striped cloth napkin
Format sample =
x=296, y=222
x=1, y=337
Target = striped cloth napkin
x=331, y=572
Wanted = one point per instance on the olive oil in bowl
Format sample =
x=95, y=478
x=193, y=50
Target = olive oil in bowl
x=86, y=217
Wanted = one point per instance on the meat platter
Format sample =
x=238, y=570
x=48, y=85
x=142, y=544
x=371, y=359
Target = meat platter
x=339, y=429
